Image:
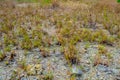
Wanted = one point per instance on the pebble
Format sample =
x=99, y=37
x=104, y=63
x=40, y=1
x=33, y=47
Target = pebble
x=36, y=49
x=115, y=71
x=23, y=78
x=76, y=71
x=102, y=68
x=1, y=78
x=56, y=63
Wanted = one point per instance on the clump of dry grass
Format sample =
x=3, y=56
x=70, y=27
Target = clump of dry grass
x=2, y=56
x=71, y=54
x=44, y=52
x=102, y=49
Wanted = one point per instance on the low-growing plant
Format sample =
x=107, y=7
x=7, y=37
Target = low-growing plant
x=6, y=62
x=73, y=77
x=74, y=39
x=26, y=42
x=102, y=49
x=61, y=40
x=109, y=55
x=22, y=64
x=118, y=35
x=0, y=44
x=36, y=43
x=14, y=76
x=2, y=56
x=71, y=54
x=26, y=52
x=87, y=45
x=46, y=41
x=97, y=59
x=101, y=37
x=9, y=40
x=86, y=34
x=4, y=29
x=44, y=51
x=7, y=48
x=48, y=76
x=12, y=55
x=37, y=38
x=21, y=31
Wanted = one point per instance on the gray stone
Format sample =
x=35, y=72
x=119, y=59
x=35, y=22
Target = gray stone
x=76, y=71
x=23, y=78
x=36, y=49
x=1, y=78
x=102, y=68
x=115, y=71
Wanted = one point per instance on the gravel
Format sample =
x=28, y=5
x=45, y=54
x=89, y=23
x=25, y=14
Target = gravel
x=57, y=64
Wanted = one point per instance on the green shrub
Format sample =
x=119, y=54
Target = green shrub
x=118, y=1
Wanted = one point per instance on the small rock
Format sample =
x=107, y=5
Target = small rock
x=115, y=71
x=32, y=78
x=1, y=78
x=76, y=71
x=23, y=78
x=37, y=57
x=36, y=49
x=86, y=69
x=102, y=68
x=57, y=53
